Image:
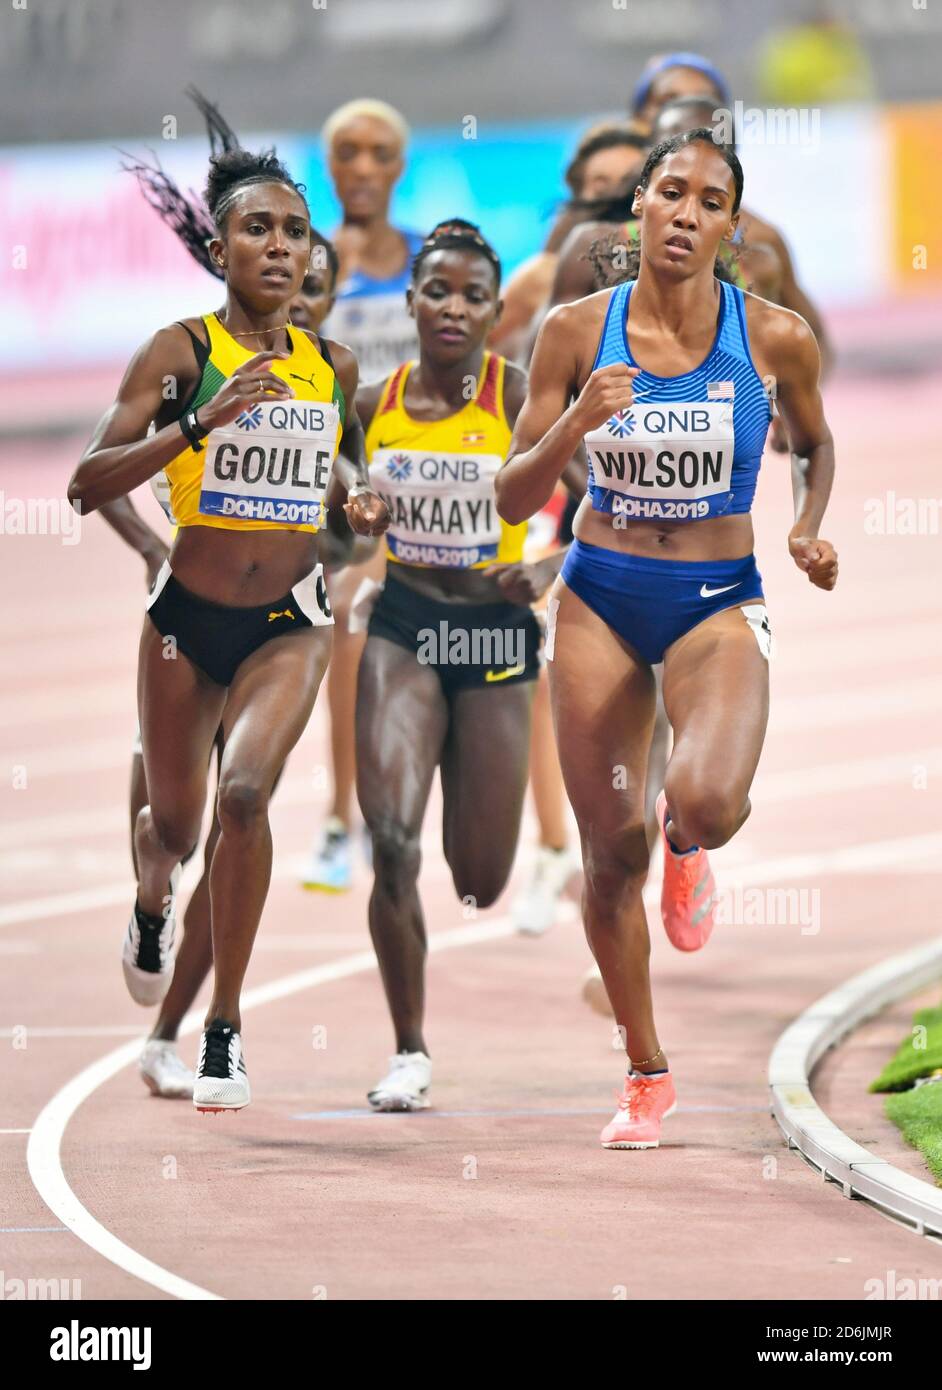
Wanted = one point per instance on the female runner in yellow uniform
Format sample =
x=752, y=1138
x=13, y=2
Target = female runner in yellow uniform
x=447, y=676
x=238, y=618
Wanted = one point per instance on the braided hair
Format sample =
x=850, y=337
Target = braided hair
x=196, y=220
x=456, y=234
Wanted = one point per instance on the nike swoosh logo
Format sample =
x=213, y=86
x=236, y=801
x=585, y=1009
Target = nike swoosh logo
x=502, y=675
x=710, y=593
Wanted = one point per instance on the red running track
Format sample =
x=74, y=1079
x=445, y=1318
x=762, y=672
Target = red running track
x=501, y=1190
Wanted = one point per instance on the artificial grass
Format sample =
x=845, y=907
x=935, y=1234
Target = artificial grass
x=918, y=1113
x=912, y=1061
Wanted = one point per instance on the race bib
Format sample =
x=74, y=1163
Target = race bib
x=665, y=461
x=441, y=505
x=272, y=463
x=378, y=329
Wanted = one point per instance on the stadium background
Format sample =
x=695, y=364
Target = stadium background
x=497, y=94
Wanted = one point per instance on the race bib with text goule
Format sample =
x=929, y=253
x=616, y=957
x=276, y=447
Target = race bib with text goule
x=272, y=463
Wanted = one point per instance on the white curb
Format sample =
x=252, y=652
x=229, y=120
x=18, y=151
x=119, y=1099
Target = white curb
x=805, y=1125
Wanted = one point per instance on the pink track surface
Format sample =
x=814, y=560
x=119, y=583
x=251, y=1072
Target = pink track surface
x=306, y=1190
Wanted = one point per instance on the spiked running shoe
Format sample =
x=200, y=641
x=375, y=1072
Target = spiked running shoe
x=688, y=892
x=221, y=1079
x=147, y=955
x=642, y=1105
x=405, y=1085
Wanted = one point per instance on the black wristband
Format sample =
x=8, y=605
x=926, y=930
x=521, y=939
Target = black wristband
x=193, y=430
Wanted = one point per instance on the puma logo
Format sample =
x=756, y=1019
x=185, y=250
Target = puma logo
x=308, y=379
x=285, y=613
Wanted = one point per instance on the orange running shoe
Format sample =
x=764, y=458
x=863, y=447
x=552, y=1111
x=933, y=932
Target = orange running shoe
x=688, y=892
x=642, y=1105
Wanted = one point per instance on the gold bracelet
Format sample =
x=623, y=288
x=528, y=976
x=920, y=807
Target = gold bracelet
x=647, y=1060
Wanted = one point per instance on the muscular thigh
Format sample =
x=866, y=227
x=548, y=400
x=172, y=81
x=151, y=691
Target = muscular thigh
x=179, y=710
x=716, y=694
x=603, y=713
x=270, y=703
x=484, y=771
x=401, y=721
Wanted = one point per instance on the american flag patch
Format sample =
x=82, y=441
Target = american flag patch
x=720, y=390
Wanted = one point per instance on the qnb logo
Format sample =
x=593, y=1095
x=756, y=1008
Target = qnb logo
x=400, y=466
x=250, y=419
x=622, y=423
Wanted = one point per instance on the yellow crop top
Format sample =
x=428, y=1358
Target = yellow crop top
x=437, y=476
x=270, y=467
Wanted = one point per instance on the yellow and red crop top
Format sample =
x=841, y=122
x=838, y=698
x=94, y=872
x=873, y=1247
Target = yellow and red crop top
x=270, y=467
x=437, y=476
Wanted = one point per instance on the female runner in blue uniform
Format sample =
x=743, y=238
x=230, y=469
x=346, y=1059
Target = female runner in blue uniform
x=663, y=377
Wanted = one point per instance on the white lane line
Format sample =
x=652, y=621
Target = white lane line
x=14, y=1131
x=43, y=1154
x=872, y=857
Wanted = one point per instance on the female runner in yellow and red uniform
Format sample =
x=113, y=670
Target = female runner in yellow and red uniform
x=446, y=679
x=237, y=618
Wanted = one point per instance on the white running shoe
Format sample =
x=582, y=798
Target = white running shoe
x=330, y=867
x=405, y=1084
x=221, y=1079
x=147, y=954
x=163, y=1072
x=534, y=909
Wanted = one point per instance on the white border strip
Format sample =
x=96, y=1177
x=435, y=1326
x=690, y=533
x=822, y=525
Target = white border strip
x=804, y=1123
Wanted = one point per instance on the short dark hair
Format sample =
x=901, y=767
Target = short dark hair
x=456, y=234
x=607, y=137
x=679, y=142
